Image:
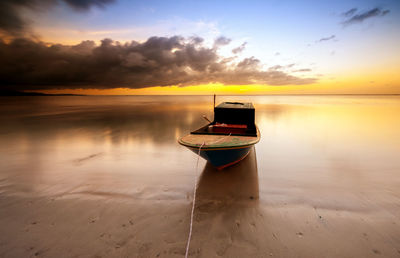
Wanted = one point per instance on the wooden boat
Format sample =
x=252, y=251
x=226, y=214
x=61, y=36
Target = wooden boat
x=229, y=138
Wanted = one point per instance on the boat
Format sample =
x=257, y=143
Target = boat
x=229, y=138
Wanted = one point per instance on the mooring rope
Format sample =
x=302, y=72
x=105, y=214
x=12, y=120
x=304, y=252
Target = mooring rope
x=194, y=195
x=193, y=204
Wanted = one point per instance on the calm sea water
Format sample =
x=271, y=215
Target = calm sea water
x=317, y=150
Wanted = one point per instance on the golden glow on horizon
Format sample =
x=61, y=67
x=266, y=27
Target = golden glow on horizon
x=187, y=90
x=387, y=82
x=199, y=90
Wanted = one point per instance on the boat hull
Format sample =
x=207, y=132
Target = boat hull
x=222, y=158
x=220, y=150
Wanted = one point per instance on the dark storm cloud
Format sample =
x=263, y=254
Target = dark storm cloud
x=87, y=4
x=13, y=24
x=249, y=63
x=327, y=38
x=221, y=41
x=275, y=67
x=358, y=18
x=160, y=61
x=239, y=49
x=349, y=12
x=10, y=20
x=303, y=70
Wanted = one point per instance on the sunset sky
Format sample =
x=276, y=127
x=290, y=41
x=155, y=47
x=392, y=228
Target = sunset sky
x=201, y=47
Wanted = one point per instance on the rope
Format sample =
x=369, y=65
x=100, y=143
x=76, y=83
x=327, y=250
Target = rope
x=193, y=204
x=194, y=195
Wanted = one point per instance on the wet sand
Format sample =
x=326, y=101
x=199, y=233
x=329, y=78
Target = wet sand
x=109, y=180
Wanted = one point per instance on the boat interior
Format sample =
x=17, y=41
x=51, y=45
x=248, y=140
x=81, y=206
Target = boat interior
x=231, y=118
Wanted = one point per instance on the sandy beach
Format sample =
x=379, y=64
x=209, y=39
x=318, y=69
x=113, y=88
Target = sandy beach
x=84, y=178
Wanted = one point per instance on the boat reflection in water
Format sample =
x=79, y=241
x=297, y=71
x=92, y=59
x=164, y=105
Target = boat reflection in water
x=235, y=183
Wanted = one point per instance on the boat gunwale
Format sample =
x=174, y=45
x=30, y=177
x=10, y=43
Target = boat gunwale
x=218, y=148
x=221, y=147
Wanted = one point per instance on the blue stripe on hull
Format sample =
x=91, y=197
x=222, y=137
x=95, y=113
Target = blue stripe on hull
x=221, y=158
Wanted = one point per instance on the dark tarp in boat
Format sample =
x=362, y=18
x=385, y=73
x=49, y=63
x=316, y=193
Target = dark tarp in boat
x=234, y=118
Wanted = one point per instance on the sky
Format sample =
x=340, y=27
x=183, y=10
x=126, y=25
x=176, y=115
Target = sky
x=200, y=47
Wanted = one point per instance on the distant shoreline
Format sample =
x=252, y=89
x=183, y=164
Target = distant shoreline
x=11, y=93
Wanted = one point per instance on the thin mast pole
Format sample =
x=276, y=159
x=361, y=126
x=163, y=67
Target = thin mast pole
x=214, y=100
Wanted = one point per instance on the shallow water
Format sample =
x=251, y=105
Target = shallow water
x=324, y=181
x=126, y=146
